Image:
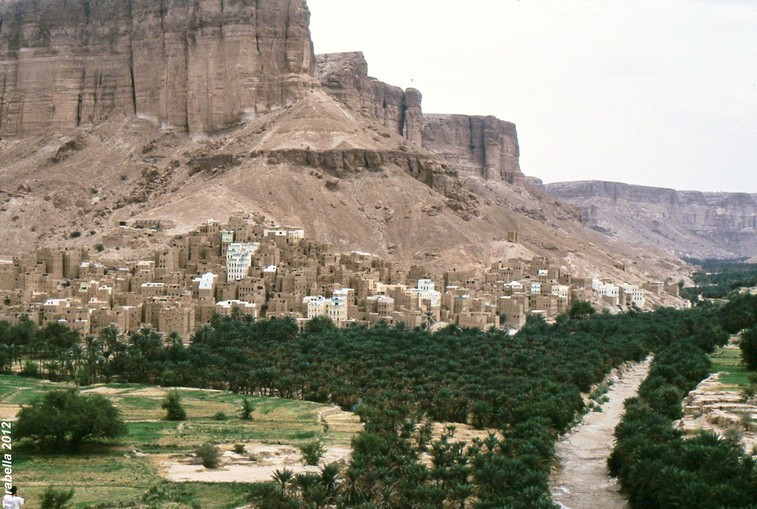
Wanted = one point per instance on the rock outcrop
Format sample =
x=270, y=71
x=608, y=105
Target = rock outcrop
x=688, y=222
x=484, y=147
x=345, y=76
x=477, y=146
x=196, y=65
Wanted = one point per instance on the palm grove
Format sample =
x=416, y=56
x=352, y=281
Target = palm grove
x=527, y=387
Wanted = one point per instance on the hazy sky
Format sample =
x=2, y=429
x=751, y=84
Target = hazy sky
x=650, y=92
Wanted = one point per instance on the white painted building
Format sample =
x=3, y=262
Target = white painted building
x=335, y=307
x=634, y=295
x=609, y=292
x=239, y=260
x=206, y=281
x=561, y=291
x=291, y=234
x=426, y=291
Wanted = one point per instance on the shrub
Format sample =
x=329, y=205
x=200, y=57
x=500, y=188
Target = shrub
x=173, y=407
x=312, y=452
x=209, y=455
x=220, y=416
x=30, y=369
x=74, y=234
x=247, y=409
x=580, y=309
x=239, y=448
x=55, y=499
x=65, y=419
x=164, y=493
x=748, y=346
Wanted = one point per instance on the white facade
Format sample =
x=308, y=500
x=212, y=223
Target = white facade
x=426, y=291
x=294, y=234
x=335, y=307
x=515, y=286
x=239, y=260
x=562, y=291
x=227, y=237
x=206, y=281
x=634, y=295
x=605, y=289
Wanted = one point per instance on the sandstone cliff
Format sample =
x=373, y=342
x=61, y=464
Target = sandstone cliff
x=479, y=146
x=197, y=65
x=345, y=76
x=484, y=147
x=688, y=222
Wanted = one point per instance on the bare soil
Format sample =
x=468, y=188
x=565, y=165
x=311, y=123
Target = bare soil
x=581, y=479
x=257, y=464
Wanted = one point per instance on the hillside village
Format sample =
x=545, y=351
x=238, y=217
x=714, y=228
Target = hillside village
x=269, y=271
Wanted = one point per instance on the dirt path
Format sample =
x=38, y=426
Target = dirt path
x=581, y=481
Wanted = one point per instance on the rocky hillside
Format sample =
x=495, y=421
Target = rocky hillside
x=119, y=111
x=684, y=222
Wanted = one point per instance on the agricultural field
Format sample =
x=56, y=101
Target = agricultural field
x=143, y=458
x=732, y=373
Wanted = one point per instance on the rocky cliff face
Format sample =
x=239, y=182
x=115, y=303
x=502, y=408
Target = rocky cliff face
x=689, y=222
x=479, y=146
x=345, y=76
x=197, y=65
x=484, y=147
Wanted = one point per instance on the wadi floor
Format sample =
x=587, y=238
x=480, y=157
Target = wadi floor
x=155, y=451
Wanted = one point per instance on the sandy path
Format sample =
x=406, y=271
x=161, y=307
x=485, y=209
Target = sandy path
x=581, y=481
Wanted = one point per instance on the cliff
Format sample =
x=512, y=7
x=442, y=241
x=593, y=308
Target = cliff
x=478, y=146
x=199, y=65
x=484, y=147
x=345, y=76
x=688, y=222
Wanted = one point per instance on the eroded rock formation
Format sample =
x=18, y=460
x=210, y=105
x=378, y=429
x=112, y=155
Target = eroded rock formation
x=477, y=146
x=484, y=147
x=197, y=65
x=345, y=76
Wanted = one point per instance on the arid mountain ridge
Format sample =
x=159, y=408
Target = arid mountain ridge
x=116, y=111
x=690, y=223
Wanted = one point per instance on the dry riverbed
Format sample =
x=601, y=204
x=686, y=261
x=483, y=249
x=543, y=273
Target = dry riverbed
x=581, y=479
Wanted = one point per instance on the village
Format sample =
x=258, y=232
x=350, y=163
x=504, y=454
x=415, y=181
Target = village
x=268, y=271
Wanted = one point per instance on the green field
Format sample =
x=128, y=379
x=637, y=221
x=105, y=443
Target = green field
x=727, y=362
x=125, y=470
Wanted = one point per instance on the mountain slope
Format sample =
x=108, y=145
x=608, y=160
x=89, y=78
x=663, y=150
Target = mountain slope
x=683, y=222
x=352, y=160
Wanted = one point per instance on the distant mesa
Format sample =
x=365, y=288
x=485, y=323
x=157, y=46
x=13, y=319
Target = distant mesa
x=692, y=223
